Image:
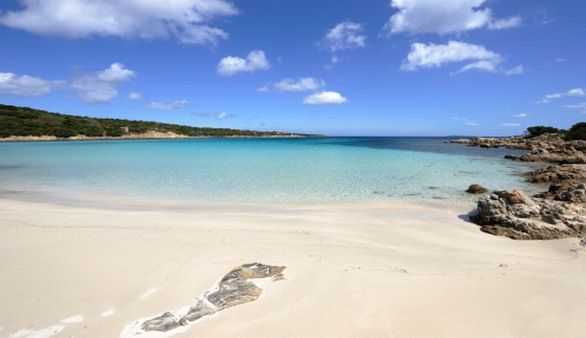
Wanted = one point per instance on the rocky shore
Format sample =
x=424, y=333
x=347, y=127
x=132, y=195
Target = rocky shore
x=559, y=212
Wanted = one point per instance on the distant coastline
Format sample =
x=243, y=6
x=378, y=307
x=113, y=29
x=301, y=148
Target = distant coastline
x=144, y=136
x=28, y=124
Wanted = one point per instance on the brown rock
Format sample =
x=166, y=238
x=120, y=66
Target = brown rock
x=517, y=216
x=476, y=189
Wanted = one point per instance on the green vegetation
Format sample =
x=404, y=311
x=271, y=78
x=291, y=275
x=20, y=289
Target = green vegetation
x=577, y=132
x=540, y=130
x=22, y=121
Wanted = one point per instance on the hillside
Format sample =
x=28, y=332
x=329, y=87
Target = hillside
x=28, y=122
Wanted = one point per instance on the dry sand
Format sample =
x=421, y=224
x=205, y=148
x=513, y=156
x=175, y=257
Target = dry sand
x=370, y=270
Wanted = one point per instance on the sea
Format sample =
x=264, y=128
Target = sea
x=320, y=169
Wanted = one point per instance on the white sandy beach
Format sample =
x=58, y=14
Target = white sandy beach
x=384, y=269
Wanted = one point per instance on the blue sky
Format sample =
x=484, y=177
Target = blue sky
x=344, y=67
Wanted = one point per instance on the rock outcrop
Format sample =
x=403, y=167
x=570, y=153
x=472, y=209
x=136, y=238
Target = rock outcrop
x=550, y=148
x=517, y=216
x=558, y=173
x=566, y=191
x=235, y=288
x=559, y=212
x=476, y=189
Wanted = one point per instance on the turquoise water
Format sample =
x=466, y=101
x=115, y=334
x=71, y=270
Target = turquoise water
x=320, y=169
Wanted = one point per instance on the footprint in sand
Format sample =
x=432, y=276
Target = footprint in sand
x=73, y=319
x=42, y=333
x=49, y=331
x=148, y=293
x=108, y=313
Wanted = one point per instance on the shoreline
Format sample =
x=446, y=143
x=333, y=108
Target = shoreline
x=135, y=137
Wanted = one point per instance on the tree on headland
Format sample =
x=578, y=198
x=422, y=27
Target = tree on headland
x=540, y=130
x=577, y=132
x=23, y=121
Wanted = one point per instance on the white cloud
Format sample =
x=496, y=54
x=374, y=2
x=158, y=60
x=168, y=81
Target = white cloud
x=186, y=20
x=264, y=89
x=517, y=70
x=433, y=56
x=510, y=124
x=508, y=23
x=231, y=65
x=482, y=65
x=522, y=115
x=171, y=105
x=575, y=92
x=219, y=116
x=577, y=106
x=117, y=72
x=325, y=98
x=345, y=35
x=24, y=85
x=92, y=90
x=444, y=17
x=135, y=96
x=467, y=122
x=101, y=86
x=303, y=84
x=580, y=107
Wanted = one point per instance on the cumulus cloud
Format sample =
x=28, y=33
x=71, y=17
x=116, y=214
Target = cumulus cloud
x=466, y=121
x=575, y=92
x=482, y=65
x=580, y=107
x=231, y=65
x=302, y=84
x=135, y=96
x=508, y=23
x=168, y=105
x=101, y=86
x=436, y=55
x=116, y=73
x=219, y=115
x=24, y=85
x=345, y=35
x=444, y=17
x=326, y=97
x=517, y=70
x=92, y=90
x=185, y=20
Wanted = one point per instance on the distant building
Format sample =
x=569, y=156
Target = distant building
x=125, y=130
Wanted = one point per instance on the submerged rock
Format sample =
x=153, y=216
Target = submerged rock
x=235, y=288
x=517, y=216
x=476, y=189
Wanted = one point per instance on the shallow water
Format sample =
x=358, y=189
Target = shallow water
x=259, y=170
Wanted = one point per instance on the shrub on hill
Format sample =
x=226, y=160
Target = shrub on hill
x=23, y=121
x=540, y=130
x=577, y=132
